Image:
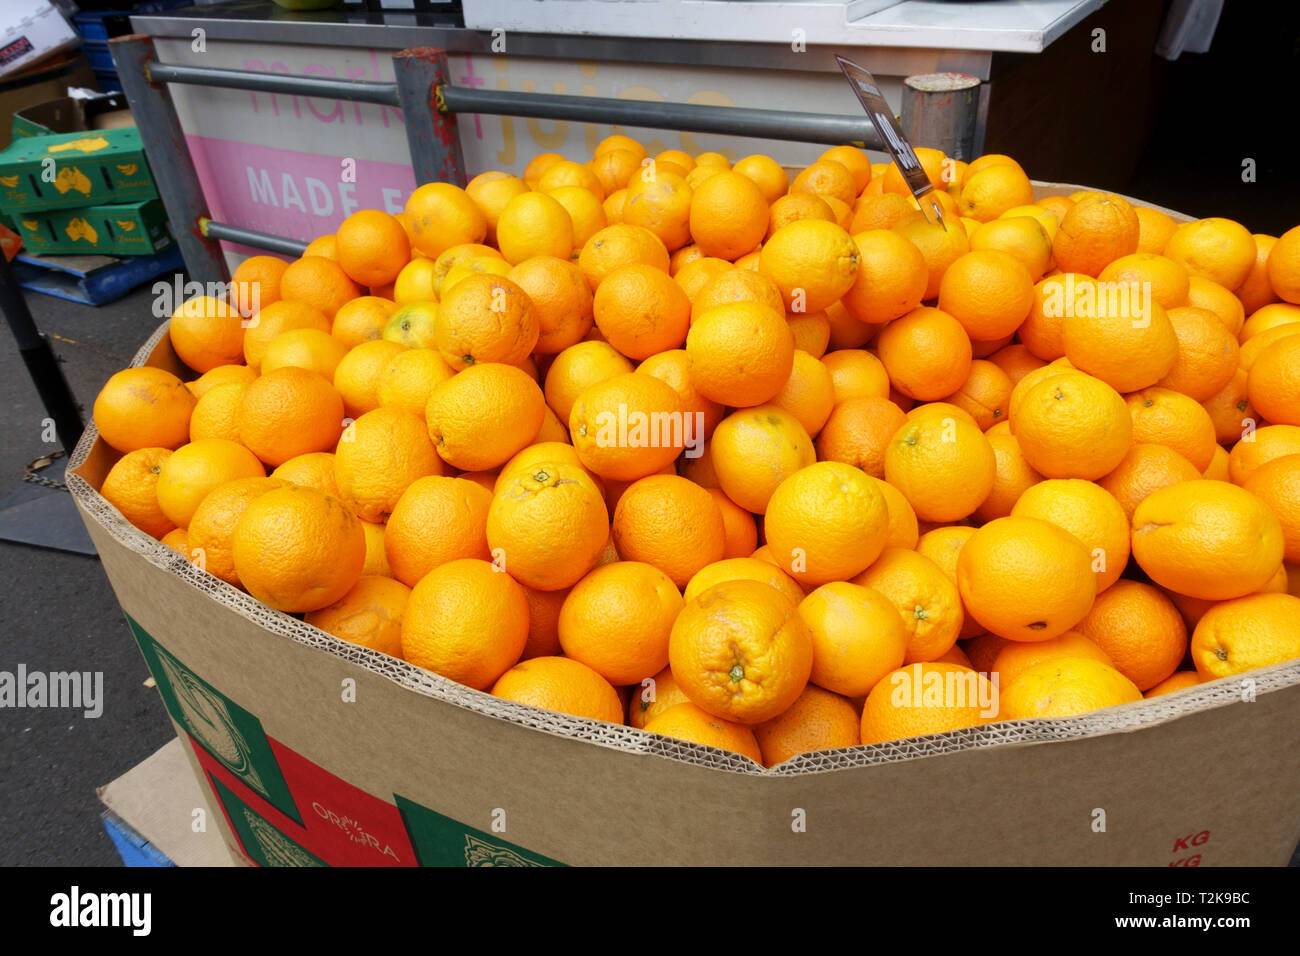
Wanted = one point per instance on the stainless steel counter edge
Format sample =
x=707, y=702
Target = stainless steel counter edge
x=267, y=23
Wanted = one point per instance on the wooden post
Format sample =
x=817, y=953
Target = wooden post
x=940, y=110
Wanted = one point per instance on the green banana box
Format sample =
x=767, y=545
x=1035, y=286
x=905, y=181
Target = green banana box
x=84, y=168
x=120, y=229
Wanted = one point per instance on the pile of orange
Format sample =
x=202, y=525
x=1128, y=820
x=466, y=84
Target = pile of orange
x=764, y=462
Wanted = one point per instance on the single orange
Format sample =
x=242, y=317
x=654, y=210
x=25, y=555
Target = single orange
x=617, y=619
x=754, y=449
x=927, y=698
x=369, y=615
x=131, y=487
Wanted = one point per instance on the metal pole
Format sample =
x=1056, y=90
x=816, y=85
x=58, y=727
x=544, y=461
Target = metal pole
x=432, y=135
x=248, y=237
x=39, y=359
x=354, y=90
x=173, y=169
x=728, y=120
x=939, y=110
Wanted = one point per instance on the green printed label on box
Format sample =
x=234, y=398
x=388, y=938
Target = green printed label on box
x=232, y=735
x=441, y=841
x=264, y=844
x=125, y=229
x=85, y=168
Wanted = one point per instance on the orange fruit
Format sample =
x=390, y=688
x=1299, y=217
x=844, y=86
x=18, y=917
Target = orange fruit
x=1091, y=514
x=578, y=367
x=1064, y=687
x=939, y=247
x=358, y=374
x=410, y=378
x=465, y=621
x=1056, y=297
x=534, y=224
x=1274, y=382
x=641, y=311
x=1023, y=238
x=1270, y=316
x=376, y=559
x=670, y=523
x=477, y=265
x=1128, y=344
x=1016, y=361
x=858, y=637
x=1284, y=266
x=1013, y=478
x=327, y=247
x=1259, y=447
x=741, y=354
x=858, y=432
x=1169, y=281
x=1277, y=484
x=812, y=262
x=817, y=720
x=743, y=569
x=1179, y=680
x=694, y=275
x=563, y=685
x=728, y=215
x=216, y=414
x=737, y=285
x=926, y=698
x=1166, y=417
x=309, y=349
x=1139, y=629
x=541, y=163
x=490, y=192
x=855, y=161
x=442, y=215
x=766, y=173
x=1205, y=294
x=256, y=283
x=211, y=529
x=620, y=245
x=543, y=623
x=932, y=162
x=826, y=177
x=1208, y=354
x=985, y=394
x=1155, y=229
x=485, y=318
x=795, y=206
x=754, y=449
x=314, y=470
x=627, y=426
x=988, y=192
x=276, y=319
x=561, y=301
x=673, y=367
x=685, y=721
x=1257, y=345
x=882, y=211
x=660, y=202
x=740, y=533
x=1095, y=232
x=193, y=470
x=741, y=651
x=826, y=522
x=372, y=247
x=1073, y=426
x=131, y=487
x=586, y=212
x=568, y=173
x=891, y=279
x=943, y=465
x=320, y=283
x=221, y=375
x=378, y=458
x=1218, y=469
x=1221, y=250
x=926, y=600
x=1230, y=408
x=1207, y=539
x=1025, y=579
x=808, y=393
x=614, y=168
x=361, y=320
x=927, y=353
x=617, y=619
x=551, y=502
x=436, y=520
x=483, y=415
x=846, y=332
x=289, y=412
x=206, y=333
x=1015, y=657
x=1255, y=631
x=856, y=374
x=143, y=408
x=369, y=615
x=298, y=550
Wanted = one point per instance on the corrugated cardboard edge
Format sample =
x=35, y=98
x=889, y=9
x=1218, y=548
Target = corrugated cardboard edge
x=1123, y=719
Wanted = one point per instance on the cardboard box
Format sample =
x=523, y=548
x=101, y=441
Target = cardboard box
x=71, y=114
x=31, y=30
x=48, y=82
x=66, y=170
x=126, y=229
x=320, y=752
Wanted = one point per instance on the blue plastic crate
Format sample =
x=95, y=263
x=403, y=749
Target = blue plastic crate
x=134, y=849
